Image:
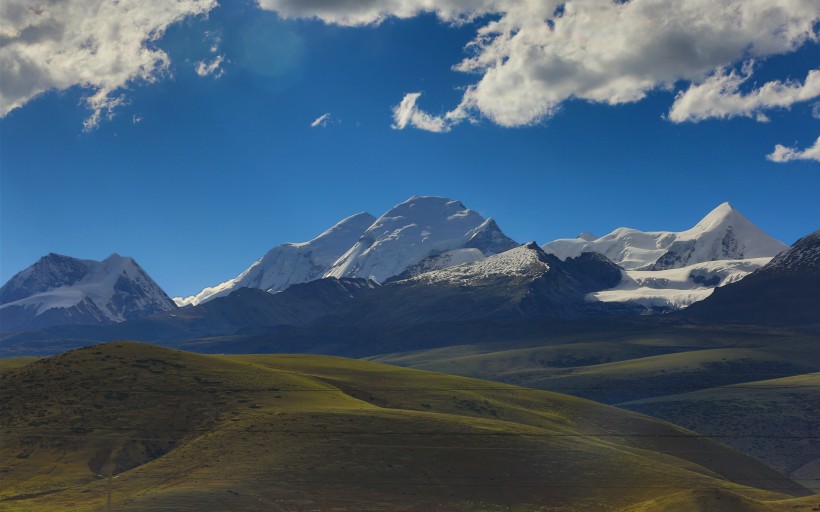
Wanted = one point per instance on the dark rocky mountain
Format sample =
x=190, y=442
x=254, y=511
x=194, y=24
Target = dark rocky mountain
x=63, y=290
x=523, y=282
x=251, y=309
x=785, y=291
x=244, y=312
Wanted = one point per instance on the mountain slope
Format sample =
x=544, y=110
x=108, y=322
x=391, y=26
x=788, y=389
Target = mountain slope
x=191, y=432
x=785, y=291
x=250, y=309
x=59, y=290
x=676, y=288
x=523, y=282
x=291, y=263
x=774, y=420
x=415, y=230
x=724, y=234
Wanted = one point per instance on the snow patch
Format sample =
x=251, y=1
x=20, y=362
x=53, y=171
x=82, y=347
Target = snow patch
x=679, y=287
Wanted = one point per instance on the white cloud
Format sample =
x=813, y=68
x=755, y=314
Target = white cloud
x=531, y=58
x=213, y=68
x=321, y=121
x=719, y=96
x=407, y=113
x=785, y=154
x=99, y=45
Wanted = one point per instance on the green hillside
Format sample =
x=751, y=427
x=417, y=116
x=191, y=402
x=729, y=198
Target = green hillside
x=190, y=432
x=776, y=420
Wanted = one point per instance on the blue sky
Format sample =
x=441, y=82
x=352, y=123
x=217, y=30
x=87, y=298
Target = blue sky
x=197, y=176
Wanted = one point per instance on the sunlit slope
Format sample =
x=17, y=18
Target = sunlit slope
x=192, y=432
x=11, y=363
x=777, y=421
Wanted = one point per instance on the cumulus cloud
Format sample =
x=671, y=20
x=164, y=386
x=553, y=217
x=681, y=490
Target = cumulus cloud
x=99, y=45
x=213, y=68
x=783, y=154
x=533, y=56
x=719, y=96
x=321, y=121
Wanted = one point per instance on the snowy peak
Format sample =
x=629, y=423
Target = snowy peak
x=342, y=233
x=291, y=263
x=420, y=228
x=723, y=213
x=71, y=290
x=724, y=234
x=489, y=239
x=49, y=272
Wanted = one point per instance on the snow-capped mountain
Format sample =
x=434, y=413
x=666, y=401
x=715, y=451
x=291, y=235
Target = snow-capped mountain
x=420, y=234
x=291, y=263
x=419, y=229
x=63, y=290
x=724, y=234
x=523, y=263
x=671, y=270
x=523, y=282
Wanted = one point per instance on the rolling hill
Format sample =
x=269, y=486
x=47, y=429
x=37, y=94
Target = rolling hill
x=753, y=417
x=190, y=432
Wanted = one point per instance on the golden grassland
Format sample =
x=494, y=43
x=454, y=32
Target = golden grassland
x=182, y=431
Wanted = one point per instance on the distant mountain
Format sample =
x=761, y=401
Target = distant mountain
x=60, y=290
x=785, y=291
x=433, y=229
x=666, y=270
x=724, y=234
x=249, y=309
x=291, y=263
x=420, y=234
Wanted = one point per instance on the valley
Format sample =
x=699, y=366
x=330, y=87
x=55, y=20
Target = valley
x=178, y=431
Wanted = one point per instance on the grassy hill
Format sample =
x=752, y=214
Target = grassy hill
x=619, y=366
x=755, y=417
x=183, y=431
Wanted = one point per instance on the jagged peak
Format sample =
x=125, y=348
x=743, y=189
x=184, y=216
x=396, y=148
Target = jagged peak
x=416, y=201
x=53, y=256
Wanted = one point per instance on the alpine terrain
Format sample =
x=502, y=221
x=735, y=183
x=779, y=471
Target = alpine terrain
x=420, y=234
x=670, y=270
x=59, y=290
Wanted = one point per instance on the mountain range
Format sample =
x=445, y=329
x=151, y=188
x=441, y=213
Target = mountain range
x=419, y=234
x=426, y=260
